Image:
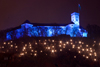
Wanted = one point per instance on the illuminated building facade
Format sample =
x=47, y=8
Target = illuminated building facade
x=48, y=30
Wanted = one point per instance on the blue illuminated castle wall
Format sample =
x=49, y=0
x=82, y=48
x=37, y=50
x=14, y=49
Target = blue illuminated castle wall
x=48, y=30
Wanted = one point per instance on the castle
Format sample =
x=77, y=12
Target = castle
x=49, y=30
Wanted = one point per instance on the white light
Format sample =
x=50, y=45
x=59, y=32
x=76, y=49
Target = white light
x=59, y=45
x=31, y=50
x=25, y=44
x=60, y=41
x=79, y=42
x=60, y=49
x=74, y=56
x=78, y=47
x=44, y=43
x=4, y=43
x=99, y=43
x=35, y=43
x=49, y=48
x=2, y=46
x=35, y=51
x=55, y=50
x=83, y=55
x=35, y=54
x=82, y=49
x=52, y=46
x=52, y=40
x=90, y=54
x=25, y=52
x=86, y=45
x=87, y=49
x=16, y=46
x=11, y=45
x=41, y=51
x=71, y=40
x=22, y=54
x=95, y=60
x=73, y=46
x=79, y=51
x=87, y=57
x=94, y=41
x=52, y=51
x=67, y=42
x=64, y=44
x=82, y=42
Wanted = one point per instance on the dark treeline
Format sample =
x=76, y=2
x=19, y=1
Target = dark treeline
x=93, y=31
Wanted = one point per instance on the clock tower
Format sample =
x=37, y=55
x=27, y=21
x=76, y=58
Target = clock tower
x=75, y=18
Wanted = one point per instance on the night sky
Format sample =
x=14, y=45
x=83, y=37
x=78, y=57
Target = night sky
x=14, y=12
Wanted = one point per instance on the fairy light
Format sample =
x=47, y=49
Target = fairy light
x=82, y=42
x=52, y=40
x=45, y=40
x=87, y=49
x=95, y=60
x=99, y=44
x=35, y=54
x=30, y=53
x=41, y=51
x=31, y=50
x=30, y=47
x=70, y=39
x=91, y=50
x=74, y=56
x=52, y=46
x=90, y=54
x=44, y=43
x=67, y=42
x=87, y=57
x=71, y=43
x=82, y=49
x=60, y=41
x=11, y=41
x=73, y=46
x=52, y=51
x=2, y=46
x=93, y=45
x=79, y=51
x=78, y=47
x=16, y=46
x=35, y=43
x=64, y=44
x=49, y=48
x=83, y=55
x=35, y=51
x=59, y=45
x=4, y=43
x=25, y=52
x=55, y=50
x=86, y=45
x=94, y=41
x=8, y=42
x=25, y=44
x=22, y=54
x=60, y=49
x=79, y=42
x=11, y=45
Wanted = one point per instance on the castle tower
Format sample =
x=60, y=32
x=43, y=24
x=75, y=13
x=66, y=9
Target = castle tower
x=75, y=18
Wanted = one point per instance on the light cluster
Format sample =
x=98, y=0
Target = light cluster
x=53, y=46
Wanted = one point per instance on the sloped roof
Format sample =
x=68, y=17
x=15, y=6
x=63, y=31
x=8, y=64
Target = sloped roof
x=46, y=24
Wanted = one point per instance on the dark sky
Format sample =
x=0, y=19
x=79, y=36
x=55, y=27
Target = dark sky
x=15, y=12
